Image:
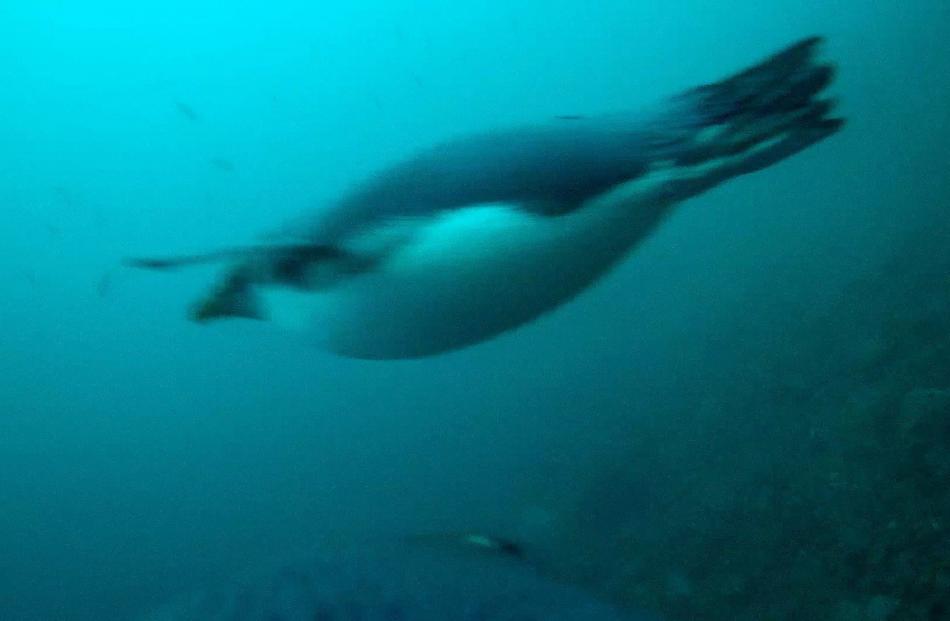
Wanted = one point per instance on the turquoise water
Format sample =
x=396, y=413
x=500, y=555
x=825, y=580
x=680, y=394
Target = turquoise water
x=760, y=360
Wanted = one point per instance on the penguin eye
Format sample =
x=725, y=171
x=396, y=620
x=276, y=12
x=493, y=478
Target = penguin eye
x=290, y=270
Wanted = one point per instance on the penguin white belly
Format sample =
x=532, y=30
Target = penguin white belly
x=466, y=276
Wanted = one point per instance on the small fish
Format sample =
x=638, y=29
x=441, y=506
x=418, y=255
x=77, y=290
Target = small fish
x=478, y=579
x=186, y=111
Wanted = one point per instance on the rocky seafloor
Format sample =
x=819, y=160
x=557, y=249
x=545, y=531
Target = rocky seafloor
x=811, y=481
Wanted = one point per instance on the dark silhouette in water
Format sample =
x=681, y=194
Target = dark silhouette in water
x=479, y=578
x=186, y=111
x=484, y=233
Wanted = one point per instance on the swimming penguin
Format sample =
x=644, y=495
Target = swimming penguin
x=404, y=580
x=484, y=233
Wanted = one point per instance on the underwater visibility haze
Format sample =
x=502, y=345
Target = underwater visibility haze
x=533, y=292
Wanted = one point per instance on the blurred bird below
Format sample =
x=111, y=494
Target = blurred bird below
x=464, y=578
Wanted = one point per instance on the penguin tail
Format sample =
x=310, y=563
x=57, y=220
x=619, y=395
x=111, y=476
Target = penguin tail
x=749, y=120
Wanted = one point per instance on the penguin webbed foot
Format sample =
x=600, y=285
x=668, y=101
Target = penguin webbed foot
x=233, y=298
